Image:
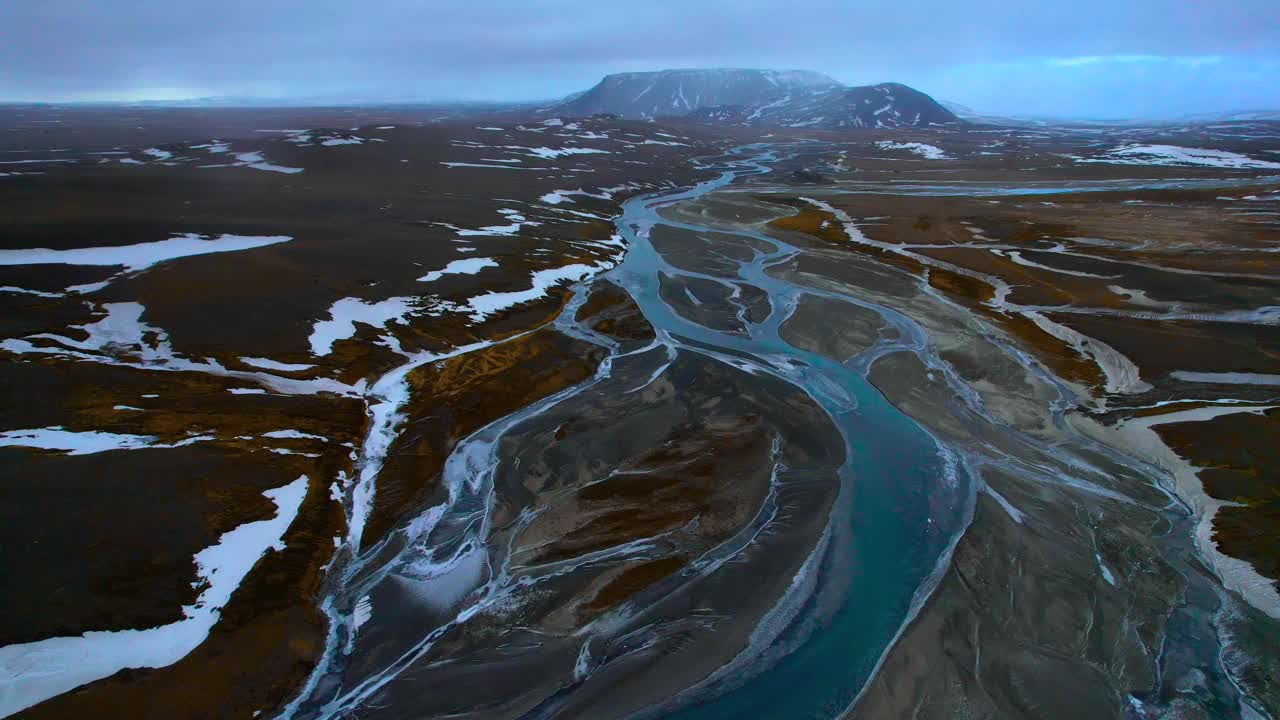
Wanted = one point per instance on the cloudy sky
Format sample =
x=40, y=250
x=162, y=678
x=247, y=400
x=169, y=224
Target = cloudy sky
x=1101, y=58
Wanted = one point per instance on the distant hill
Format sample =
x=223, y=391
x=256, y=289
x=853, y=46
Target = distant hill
x=790, y=98
x=1234, y=116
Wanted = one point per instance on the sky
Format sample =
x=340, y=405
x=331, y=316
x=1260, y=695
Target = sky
x=1067, y=58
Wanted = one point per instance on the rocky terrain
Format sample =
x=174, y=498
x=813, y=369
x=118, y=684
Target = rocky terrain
x=331, y=413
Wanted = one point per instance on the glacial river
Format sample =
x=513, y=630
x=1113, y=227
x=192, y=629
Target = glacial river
x=904, y=499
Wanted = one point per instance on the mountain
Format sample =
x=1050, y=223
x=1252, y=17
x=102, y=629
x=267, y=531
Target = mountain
x=679, y=92
x=790, y=98
x=887, y=105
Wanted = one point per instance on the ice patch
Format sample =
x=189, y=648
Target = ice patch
x=33, y=672
x=258, y=162
x=331, y=142
x=1236, y=574
x=1226, y=378
x=286, y=451
x=468, y=266
x=560, y=196
x=442, y=585
x=485, y=305
x=1121, y=374
x=214, y=147
x=344, y=313
x=1106, y=571
x=36, y=162
x=363, y=612
x=142, y=255
x=1177, y=155
x=268, y=364
x=24, y=291
x=121, y=338
x=121, y=328
x=293, y=435
x=87, y=442
x=1014, y=513
x=928, y=152
x=517, y=221
x=491, y=167
x=547, y=153
x=1016, y=256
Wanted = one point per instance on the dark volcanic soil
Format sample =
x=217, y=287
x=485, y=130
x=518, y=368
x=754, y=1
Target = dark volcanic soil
x=105, y=540
x=198, y=307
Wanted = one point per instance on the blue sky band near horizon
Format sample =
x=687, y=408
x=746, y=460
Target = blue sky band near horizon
x=1071, y=58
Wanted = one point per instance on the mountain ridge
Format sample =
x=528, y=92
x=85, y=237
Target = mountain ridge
x=746, y=96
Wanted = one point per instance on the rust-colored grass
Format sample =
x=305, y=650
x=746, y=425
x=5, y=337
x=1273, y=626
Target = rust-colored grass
x=631, y=581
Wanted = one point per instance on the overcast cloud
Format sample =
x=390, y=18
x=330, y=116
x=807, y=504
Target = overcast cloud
x=1068, y=57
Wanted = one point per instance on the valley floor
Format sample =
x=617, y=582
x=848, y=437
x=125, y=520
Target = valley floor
x=592, y=418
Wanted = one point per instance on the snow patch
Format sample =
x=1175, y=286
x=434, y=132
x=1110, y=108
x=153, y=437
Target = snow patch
x=1177, y=155
x=334, y=141
x=468, y=266
x=485, y=305
x=547, y=153
x=122, y=338
x=268, y=364
x=141, y=255
x=293, y=435
x=928, y=152
x=258, y=162
x=33, y=672
x=491, y=167
x=1226, y=378
x=86, y=443
x=517, y=221
x=1106, y=571
x=24, y=291
x=345, y=313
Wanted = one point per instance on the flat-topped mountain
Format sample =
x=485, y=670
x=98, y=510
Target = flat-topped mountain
x=791, y=98
x=679, y=92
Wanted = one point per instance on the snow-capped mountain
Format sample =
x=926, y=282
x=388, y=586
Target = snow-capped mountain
x=679, y=92
x=791, y=98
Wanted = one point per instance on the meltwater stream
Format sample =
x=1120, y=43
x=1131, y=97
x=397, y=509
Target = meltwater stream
x=904, y=499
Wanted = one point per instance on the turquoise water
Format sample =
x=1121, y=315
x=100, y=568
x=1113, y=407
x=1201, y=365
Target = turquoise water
x=903, y=501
